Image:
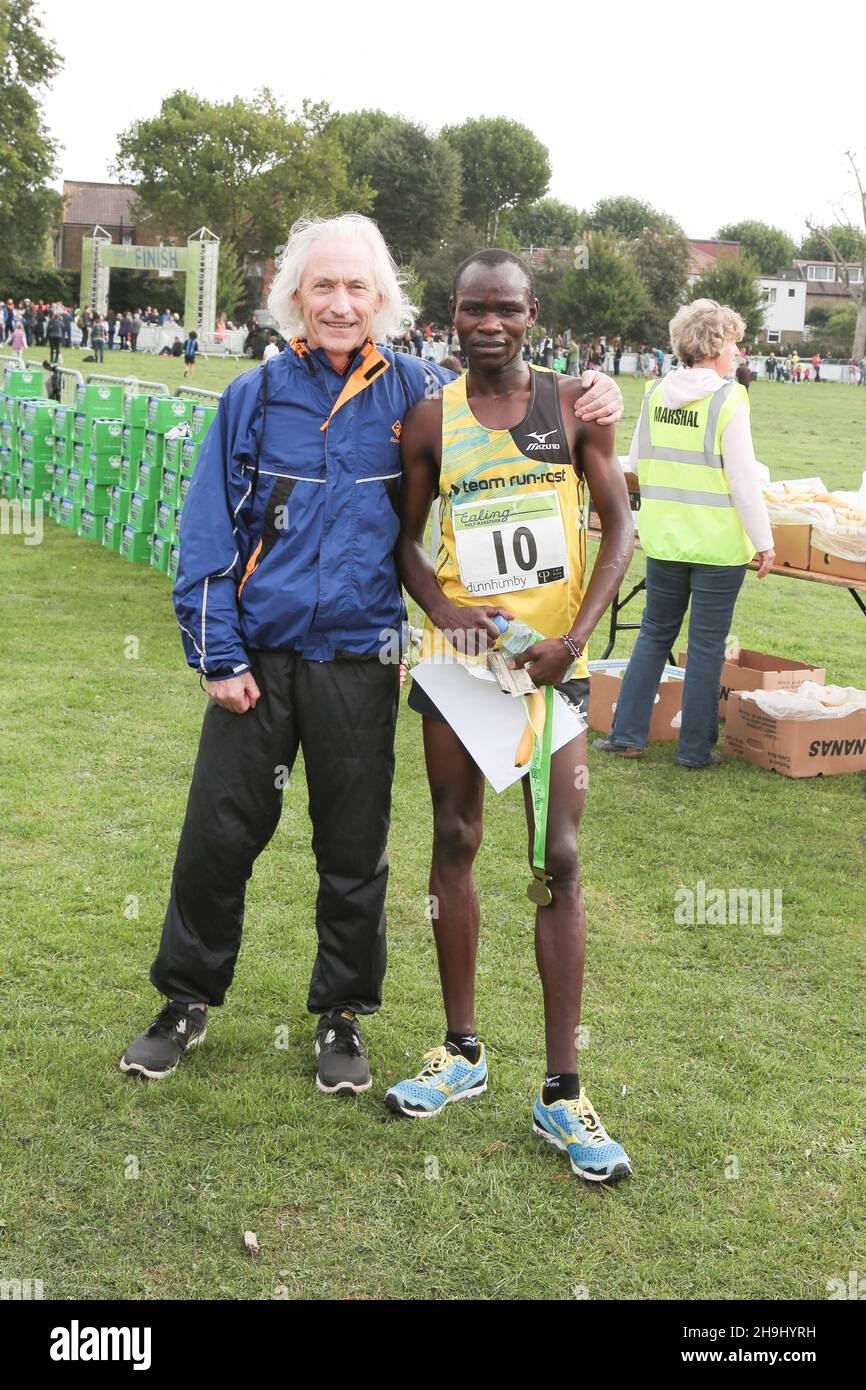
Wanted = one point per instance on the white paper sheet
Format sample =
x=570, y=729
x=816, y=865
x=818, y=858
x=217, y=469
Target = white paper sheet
x=488, y=722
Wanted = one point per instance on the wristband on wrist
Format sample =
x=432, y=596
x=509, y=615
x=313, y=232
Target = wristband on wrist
x=572, y=648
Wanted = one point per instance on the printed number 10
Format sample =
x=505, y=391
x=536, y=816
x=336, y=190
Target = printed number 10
x=523, y=545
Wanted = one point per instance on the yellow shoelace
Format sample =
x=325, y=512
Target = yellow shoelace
x=436, y=1060
x=582, y=1108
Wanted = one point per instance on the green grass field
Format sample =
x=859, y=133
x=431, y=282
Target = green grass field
x=728, y=1061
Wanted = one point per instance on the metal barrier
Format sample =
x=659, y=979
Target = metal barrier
x=194, y=391
x=14, y=360
x=157, y=388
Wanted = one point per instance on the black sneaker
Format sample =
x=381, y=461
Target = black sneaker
x=343, y=1063
x=160, y=1047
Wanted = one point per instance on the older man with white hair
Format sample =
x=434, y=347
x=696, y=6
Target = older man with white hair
x=288, y=602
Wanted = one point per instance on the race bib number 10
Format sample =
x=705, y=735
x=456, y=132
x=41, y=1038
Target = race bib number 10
x=517, y=543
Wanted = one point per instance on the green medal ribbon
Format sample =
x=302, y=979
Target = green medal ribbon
x=538, y=891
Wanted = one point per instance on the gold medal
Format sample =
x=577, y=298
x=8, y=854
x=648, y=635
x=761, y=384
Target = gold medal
x=538, y=891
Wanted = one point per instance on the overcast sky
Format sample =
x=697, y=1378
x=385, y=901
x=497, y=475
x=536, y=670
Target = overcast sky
x=712, y=113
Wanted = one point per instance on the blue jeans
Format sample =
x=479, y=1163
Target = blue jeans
x=713, y=590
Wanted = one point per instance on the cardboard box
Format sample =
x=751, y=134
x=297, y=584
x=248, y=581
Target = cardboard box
x=605, y=685
x=823, y=563
x=792, y=545
x=795, y=747
x=761, y=671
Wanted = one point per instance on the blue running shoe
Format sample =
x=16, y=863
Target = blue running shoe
x=446, y=1076
x=574, y=1127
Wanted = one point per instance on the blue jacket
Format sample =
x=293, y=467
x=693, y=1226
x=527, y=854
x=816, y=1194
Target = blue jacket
x=304, y=560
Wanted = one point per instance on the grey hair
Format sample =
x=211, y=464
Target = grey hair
x=395, y=314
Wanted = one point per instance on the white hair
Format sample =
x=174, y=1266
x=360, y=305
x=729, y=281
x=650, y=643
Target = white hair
x=395, y=313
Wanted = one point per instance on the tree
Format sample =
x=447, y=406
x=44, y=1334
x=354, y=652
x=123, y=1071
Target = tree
x=629, y=217
x=435, y=273
x=415, y=180
x=605, y=297
x=29, y=210
x=839, y=240
x=662, y=261
x=848, y=241
x=504, y=165
x=545, y=223
x=735, y=283
x=246, y=169
x=767, y=245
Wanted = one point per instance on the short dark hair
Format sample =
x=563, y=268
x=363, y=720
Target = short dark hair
x=493, y=257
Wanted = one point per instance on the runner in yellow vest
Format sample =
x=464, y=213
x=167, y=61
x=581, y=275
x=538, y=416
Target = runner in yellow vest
x=702, y=518
x=505, y=458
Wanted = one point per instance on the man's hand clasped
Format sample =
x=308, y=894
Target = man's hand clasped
x=236, y=694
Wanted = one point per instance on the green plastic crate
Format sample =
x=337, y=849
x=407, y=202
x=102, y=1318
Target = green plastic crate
x=164, y=412
x=189, y=456
x=8, y=435
x=75, y=484
x=135, y=409
x=103, y=468
x=79, y=457
x=132, y=440
x=112, y=532
x=54, y=506
x=142, y=512
x=149, y=480
x=7, y=483
x=118, y=505
x=37, y=417
x=38, y=477
x=63, y=445
x=101, y=400
x=97, y=497
x=90, y=526
x=70, y=513
x=171, y=453
x=173, y=557
x=106, y=436
x=164, y=524
x=64, y=419
x=18, y=381
x=58, y=479
x=128, y=475
x=185, y=481
x=135, y=545
x=170, y=489
x=200, y=421
x=35, y=446
x=154, y=447
x=159, y=555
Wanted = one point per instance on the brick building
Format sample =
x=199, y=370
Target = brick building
x=110, y=206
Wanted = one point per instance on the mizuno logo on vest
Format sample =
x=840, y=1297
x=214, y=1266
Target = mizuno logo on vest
x=669, y=415
x=540, y=440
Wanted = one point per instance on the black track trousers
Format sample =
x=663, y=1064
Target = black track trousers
x=343, y=715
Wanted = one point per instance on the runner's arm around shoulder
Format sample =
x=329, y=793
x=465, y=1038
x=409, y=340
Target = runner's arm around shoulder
x=420, y=446
x=604, y=477
x=205, y=591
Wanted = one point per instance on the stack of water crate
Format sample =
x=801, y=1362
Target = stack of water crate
x=95, y=459
x=180, y=455
x=20, y=385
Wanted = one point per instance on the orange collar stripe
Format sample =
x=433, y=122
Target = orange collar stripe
x=372, y=365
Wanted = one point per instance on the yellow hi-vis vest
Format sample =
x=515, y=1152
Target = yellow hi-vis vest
x=686, y=509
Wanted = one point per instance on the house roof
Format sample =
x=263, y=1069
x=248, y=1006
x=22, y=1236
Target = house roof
x=704, y=254
x=86, y=204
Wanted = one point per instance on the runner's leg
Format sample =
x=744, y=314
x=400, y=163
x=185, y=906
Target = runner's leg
x=560, y=929
x=457, y=791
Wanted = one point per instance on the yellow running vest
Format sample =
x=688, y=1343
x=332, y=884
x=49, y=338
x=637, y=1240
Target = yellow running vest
x=510, y=515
